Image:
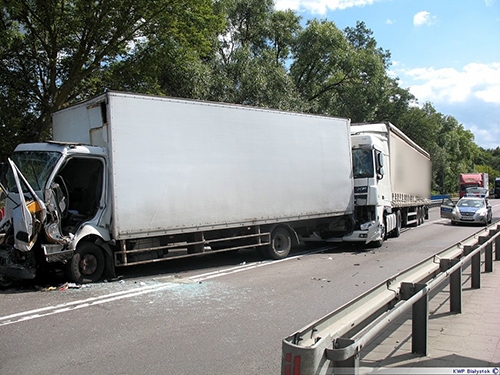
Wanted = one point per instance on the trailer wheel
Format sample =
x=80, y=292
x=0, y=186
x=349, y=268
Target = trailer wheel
x=87, y=264
x=281, y=244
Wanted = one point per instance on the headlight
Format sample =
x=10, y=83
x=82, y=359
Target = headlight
x=366, y=226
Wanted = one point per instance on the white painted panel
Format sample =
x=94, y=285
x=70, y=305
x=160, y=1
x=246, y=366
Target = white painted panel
x=184, y=164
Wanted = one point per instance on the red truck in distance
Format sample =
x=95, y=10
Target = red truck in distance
x=467, y=180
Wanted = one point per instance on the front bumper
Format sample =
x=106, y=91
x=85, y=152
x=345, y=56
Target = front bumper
x=359, y=236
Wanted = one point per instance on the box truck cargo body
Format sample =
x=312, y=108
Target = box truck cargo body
x=131, y=179
x=392, y=182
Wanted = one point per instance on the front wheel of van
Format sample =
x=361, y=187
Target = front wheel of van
x=87, y=264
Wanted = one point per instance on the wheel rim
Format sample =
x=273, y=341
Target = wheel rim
x=88, y=264
x=280, y=243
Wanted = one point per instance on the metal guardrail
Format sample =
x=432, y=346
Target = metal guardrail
x=333, y=343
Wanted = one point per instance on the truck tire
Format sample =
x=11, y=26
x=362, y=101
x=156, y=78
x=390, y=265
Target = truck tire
x=396, y=232
x=379, y=243
x=87, y=264
x=281, y=244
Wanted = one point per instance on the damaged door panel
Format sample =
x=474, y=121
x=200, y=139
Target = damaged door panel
x=29, y=215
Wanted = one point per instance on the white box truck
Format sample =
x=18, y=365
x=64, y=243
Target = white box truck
x=130, y=179
x=392, y=182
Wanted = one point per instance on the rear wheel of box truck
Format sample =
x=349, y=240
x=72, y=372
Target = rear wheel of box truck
x=280, y=245
x=87, y=263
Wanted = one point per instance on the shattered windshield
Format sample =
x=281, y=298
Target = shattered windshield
x=36, y=167
x=362, y=163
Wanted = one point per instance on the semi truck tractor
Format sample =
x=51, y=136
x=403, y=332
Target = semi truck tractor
x=472, y=180
x=392, y=182
x=497, y=188
x=131, y=179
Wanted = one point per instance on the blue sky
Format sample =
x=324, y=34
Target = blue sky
x=446, y=52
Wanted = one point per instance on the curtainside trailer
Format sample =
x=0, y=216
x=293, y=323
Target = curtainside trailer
x=392, y=182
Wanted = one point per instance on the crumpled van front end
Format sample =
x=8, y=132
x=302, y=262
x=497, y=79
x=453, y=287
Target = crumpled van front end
x=40, y=219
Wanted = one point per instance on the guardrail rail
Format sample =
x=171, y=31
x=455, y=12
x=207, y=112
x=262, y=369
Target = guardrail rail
x=332, y=344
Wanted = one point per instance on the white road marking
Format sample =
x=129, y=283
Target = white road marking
x=24, y=316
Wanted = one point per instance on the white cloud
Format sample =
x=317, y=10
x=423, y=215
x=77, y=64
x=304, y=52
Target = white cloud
x=470, y=94
x=423, y=18
x=320, y=6
x=390, y=22
x=474, y=81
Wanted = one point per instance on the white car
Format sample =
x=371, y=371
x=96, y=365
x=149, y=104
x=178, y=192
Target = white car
x=467, y=210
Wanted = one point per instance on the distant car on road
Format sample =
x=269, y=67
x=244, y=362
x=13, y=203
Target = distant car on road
x=470, y=210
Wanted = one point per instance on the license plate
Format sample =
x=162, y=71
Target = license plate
x=468, y=218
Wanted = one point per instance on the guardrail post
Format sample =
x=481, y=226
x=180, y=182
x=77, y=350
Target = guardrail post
x=420, y=323
x=455, y=284
x=488, y=257
x=350, y=366
x=476, y=271
x=419, y=319
x=497, y=248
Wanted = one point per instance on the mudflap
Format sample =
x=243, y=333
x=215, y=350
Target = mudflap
x=109, y=265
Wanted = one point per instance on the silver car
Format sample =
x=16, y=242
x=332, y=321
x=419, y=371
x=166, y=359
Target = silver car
x=467, y=210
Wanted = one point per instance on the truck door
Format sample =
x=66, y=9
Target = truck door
x=28, y=215
x=447, y=207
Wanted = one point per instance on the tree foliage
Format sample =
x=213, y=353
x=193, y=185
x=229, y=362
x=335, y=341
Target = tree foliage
x=56, y=52
x=59, y=51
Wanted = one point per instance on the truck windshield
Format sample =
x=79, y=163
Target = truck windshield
x=36, y=167
x=362, y=163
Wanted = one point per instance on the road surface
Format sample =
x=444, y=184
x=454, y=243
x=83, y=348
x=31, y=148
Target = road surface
x=218, y=314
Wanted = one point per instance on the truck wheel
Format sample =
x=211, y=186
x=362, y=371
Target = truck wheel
x=87, y=264
x=5, y=282
x=396, y=232
x=383, y=237
x=281, y=244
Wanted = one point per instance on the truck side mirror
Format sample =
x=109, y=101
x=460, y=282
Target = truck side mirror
x=380, y=165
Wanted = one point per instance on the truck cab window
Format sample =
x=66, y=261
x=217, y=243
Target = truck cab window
x=83, y=178
x=362, y=161
x=36, y=167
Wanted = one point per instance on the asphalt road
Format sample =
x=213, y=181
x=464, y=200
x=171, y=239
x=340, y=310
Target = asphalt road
x=222, y=314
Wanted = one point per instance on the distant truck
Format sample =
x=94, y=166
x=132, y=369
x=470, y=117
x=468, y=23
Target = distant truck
x=468, y=180
x=131, y=179
x=497, y=188
x=392, y=182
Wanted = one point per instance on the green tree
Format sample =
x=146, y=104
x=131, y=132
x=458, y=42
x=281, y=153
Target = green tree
x=343, y=73
x=57, y=52
x=250, y=64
